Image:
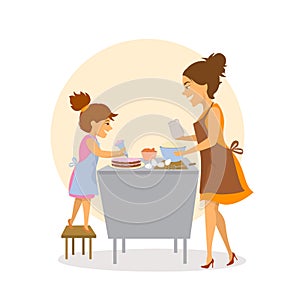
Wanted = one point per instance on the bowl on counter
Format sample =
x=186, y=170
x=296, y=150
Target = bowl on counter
x=168, y=153
x=149, y=154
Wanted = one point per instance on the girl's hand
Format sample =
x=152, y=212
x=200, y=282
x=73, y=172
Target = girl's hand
x=122, y=151
x=119, y=153
x=178, y=153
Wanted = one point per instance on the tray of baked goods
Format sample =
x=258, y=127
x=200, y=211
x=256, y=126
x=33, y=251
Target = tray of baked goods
x=176, y=165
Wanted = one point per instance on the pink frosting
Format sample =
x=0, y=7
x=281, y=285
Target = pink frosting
x=126, y=160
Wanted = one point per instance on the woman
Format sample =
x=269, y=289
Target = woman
x=222, y=180
x=95, y=120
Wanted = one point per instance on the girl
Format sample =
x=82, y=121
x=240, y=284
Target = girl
x=222, y=179
x=95, y=120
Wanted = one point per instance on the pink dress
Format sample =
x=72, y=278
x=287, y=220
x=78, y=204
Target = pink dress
x=83, y=183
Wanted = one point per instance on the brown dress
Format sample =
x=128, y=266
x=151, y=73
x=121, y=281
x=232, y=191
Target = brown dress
x=222, y=179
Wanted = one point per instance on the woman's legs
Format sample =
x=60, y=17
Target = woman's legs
x=86, y=212
x=76, y=206
x=222, y=229
x=211, y=210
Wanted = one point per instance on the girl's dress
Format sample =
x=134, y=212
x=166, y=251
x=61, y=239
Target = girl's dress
x=83, y=182
x=222, y=178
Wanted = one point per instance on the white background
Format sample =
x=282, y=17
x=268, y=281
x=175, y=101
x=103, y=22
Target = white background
x=42, y=45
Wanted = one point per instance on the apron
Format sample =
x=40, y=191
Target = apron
x=83, y=183
x=219, y=174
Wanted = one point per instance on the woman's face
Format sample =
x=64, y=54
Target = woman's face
x=103, y=128
x=194, y=91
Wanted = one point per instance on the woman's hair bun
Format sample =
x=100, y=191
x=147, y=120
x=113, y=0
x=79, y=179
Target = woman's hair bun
x=78, y=101
x=217, y=62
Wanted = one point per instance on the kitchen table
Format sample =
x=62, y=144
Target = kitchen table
x=142, y=203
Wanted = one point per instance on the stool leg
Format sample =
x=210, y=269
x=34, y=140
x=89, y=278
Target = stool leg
x=66, y=248
x=73, y=246
x=83, y=250
x=90, y=248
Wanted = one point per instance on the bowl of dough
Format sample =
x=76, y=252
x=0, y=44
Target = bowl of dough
x=168, y=153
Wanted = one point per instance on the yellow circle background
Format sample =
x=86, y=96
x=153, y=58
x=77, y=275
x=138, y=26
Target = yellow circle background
x=121, y=63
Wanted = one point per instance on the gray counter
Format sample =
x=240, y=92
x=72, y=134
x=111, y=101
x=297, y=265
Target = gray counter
x=142, y=203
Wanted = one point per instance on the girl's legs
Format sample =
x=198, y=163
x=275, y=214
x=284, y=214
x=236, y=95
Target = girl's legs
x=221, y=225
x=86, y=212
x=77, y=203
x=211, y=210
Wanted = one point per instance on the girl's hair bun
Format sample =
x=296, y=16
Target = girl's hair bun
x=78, y=101
x=217, y=62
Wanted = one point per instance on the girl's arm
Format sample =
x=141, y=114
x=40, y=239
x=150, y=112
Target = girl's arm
x=94, y=148
x=187, y=138
x=213, y=130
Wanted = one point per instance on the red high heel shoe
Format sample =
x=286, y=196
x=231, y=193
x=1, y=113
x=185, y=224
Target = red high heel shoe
x=208, y=265
x=232, y=259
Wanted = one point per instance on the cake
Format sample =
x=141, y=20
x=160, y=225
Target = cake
x=124, y=162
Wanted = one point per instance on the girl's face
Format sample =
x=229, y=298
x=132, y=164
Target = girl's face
x=101, y=128
x=193, y=91
x=104, y=129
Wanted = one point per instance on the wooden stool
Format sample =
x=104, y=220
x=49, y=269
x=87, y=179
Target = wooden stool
x=78, y=232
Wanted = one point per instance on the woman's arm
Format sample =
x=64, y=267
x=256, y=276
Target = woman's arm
x=213, y=129
x=187, y=138
x=94, y=148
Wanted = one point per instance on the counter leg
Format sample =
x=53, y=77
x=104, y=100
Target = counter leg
x=175, y=246
x=184, y=251
x=123, y=246
x=115, y=251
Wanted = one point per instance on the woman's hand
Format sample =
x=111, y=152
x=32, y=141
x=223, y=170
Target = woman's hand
x=181, y=138
x=178, y=153
x=186, y=138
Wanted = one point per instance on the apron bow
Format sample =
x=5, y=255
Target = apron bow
x=73, y=163
x=234, y=148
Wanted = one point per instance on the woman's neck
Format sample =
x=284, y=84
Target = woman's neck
x=207, y=103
